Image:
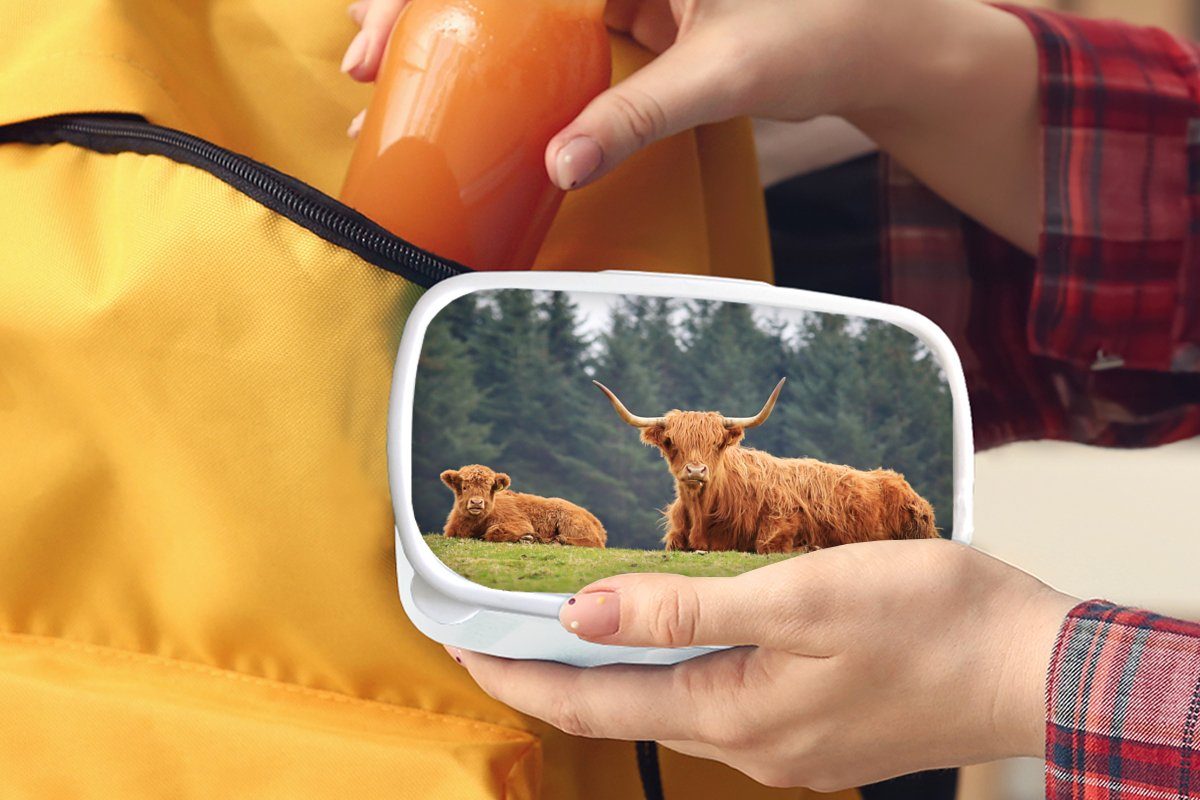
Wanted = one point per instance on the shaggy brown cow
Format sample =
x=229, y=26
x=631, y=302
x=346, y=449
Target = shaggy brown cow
x=483, y=509
x=729, y=497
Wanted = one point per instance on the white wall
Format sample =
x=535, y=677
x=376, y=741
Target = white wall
x=1122, y=525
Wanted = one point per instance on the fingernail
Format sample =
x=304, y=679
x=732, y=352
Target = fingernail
x=592, y=614
x=577, y=161
x=356, y=11
x=454, y=652
x=356, y=52
x=356, y=124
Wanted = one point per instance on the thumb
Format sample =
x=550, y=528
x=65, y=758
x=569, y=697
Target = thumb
x=678, y=90
x=663, y=610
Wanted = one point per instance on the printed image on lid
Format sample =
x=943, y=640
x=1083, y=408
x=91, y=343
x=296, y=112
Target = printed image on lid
x=561, y=437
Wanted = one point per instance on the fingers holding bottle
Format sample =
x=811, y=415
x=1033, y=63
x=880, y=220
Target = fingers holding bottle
x=375, y=19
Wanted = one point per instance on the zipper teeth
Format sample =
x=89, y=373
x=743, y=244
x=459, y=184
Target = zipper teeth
x=393, y=249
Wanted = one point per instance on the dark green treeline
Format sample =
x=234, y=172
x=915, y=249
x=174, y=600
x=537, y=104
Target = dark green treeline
x=505, y=380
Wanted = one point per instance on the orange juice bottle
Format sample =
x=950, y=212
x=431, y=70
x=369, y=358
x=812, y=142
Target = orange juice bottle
x=451, y=152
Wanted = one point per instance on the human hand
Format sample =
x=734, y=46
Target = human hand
x=850, y=665
x=947, y=87
x=718, y=59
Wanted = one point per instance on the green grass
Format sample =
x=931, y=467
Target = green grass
x=554, y=568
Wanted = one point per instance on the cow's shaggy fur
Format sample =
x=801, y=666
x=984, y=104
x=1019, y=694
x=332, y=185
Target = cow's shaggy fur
x=730, y=497
x=484, y=508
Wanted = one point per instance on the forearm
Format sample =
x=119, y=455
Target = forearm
x=953, y=96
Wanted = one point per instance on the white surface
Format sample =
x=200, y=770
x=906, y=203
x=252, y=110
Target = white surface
x=788, y=149
x=1123, y=525
x=1117, y=524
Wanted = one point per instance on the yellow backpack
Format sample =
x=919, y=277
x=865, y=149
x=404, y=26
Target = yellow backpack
x=197, y=586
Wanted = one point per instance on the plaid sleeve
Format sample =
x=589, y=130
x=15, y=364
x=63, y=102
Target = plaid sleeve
x=1117, y=282
x=1124, y=705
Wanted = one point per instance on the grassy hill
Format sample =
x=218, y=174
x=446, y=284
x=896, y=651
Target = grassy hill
x=553, y=568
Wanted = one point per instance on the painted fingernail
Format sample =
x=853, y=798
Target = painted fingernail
x=454, y=652
x=592, y=614
x=577, y=161
x=356, y=124
x=356, y=52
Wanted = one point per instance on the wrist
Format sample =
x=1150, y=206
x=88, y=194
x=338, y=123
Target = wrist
x=1020, y=705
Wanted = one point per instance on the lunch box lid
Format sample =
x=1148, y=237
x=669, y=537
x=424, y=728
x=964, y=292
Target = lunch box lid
x=454, y=610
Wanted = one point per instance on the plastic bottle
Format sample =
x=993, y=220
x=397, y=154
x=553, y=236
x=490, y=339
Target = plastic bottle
x=451, y=155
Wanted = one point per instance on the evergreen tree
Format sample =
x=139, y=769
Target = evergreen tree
x=823, y=415
x=446, y=430
x=573, y=415
x=909, y=405
x=637, y=352
x=514, y=374
x=730, y=355
x=462, y=317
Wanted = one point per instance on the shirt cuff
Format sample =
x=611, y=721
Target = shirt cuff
x=1121, y=162
x=1123, y=703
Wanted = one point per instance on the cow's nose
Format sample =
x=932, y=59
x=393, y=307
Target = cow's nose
x=695, y=470
x=475, y=502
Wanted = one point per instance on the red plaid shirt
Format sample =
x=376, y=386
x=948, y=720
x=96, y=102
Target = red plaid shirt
x=1124, y=707
x=1096, y=340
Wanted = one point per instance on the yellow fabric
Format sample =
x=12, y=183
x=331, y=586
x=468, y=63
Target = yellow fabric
x=197, y=588
x=689, y=204
x=87, y=721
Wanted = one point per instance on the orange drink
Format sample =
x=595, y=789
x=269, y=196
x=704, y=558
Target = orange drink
x=451, y=153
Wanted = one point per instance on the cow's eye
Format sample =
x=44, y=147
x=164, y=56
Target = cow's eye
x=667, y=443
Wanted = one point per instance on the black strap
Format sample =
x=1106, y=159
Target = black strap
x=939, y=784
x=825, y=230
x=935, y=785
x=647, y=758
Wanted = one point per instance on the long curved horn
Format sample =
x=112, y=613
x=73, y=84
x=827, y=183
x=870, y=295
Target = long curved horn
x=761, y=416
x=632, y=419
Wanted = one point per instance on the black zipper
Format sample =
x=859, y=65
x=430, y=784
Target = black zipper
x=318, y=212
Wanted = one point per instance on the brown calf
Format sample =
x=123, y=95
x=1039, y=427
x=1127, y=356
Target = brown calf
x=484, y=509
